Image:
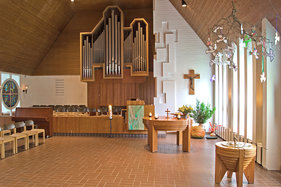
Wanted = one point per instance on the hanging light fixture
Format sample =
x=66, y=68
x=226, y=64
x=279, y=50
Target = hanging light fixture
x=224, y=35
x=183, y=3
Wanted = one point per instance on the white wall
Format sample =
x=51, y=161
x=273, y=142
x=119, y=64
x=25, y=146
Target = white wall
x=272, y=102
x=178, y=49
x=42, y=91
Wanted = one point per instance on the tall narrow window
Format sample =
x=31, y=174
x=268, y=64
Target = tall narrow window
x=250, y=94
x=235, y=96
x=224, y=97
x=217, y=94
x=220, y=95
x=241, y=89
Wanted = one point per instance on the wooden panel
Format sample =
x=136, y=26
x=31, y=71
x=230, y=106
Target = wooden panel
x=148, y=109
x=117, y=92
x=29, y=26
x=5, y=120
x=64, y=56
x=101, y=4
x=88, y=124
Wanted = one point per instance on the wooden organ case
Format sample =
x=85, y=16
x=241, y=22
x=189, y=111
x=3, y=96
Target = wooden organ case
x=112, y=46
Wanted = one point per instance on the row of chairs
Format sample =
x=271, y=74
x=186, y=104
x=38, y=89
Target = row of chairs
x=11, y=133
x=102, y=110
x=66, y=108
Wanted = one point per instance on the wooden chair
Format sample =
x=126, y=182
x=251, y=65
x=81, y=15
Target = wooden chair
x=30, y=133
x=30, y=123
x=17, y=136
x=5, y=139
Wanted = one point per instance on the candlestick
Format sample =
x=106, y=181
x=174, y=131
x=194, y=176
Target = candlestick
x=156, y=116
x=110, y=111
x=150, y=114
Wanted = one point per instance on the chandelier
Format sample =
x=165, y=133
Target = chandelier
x=225, y=34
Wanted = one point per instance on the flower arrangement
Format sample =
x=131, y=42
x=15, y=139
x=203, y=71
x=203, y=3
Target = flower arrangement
x=212, y=128
x=202, y=112
x=185, y=109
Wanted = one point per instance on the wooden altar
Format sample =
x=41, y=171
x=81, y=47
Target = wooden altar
x=182, y=126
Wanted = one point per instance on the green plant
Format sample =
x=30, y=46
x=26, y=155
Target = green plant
x=185, y=109
x=202, y=112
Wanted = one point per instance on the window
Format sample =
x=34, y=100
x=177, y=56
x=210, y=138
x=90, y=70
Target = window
x=250, y=94
x=235, y=97
x=9, y=92
x=242, y=93
x=241, y=73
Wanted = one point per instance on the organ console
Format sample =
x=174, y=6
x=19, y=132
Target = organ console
x=110, y=45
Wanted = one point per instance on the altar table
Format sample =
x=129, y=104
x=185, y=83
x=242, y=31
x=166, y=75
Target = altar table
x=182, y=126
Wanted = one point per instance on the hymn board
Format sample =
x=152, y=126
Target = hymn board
x=112, y=47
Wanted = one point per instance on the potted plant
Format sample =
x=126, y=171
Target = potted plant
x=212, y=129
x=201, y=113
x=185, y=110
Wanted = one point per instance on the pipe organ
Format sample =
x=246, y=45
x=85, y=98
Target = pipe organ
x=113, y=47
x=139, y=47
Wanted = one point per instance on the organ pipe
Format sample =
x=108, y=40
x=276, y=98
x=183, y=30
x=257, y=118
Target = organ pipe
x=109, y=46
x=118, y=48
x=116, y=45
x=106, y=49
x=139, y=49
x=113, y=45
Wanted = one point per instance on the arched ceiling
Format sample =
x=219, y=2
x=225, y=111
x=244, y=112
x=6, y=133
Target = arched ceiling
x=202, y=15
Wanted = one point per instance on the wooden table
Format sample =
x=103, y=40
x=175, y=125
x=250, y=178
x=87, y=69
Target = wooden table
x=182, y=127
x=239, y=159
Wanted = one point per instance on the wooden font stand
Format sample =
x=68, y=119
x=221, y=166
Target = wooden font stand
x=239, y=160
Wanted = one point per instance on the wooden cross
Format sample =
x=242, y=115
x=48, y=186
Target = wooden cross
x=191, y=76
x=167, y=113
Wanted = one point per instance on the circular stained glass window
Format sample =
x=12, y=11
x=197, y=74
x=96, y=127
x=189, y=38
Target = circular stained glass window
x=10, y=93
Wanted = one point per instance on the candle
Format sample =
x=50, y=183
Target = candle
x=179, y=116
x=150, y=114
x=110, y=111
x=156, y=116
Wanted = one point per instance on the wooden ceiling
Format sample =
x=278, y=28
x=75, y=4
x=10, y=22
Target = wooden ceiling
x=202, y=15
x=101, y=4
x=27, y=31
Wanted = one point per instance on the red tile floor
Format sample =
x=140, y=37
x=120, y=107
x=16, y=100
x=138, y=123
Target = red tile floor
x=119, y=161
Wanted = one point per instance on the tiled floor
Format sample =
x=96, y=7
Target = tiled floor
x=101, y=161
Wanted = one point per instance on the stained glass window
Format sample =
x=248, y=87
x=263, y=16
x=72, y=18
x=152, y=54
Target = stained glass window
x=10, y=94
